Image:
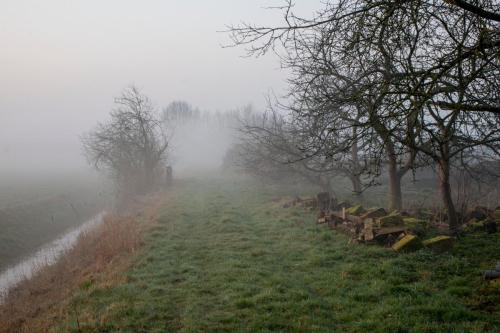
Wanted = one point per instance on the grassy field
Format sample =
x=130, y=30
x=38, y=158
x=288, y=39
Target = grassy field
x=223, y=257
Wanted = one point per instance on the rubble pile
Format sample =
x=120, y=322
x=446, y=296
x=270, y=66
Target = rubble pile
x=374, y=225
x=399, y=230
x=403, y=234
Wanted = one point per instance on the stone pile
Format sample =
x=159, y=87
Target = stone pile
x=375, y=225
x=400, y=230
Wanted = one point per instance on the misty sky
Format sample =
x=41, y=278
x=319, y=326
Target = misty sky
x=62, y=62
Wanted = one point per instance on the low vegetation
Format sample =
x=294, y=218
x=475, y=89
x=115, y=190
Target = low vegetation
x=99, y=259
x=225, y=256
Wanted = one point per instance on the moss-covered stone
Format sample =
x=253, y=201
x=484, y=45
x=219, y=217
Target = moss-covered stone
x=391, y=220
x=408, y=243
x=416, y=226
x=374, y=213
x=413, y=221
x=440, y=244
x=473, y=225
x=355, y=210
x=488, y=225
x=343, y=204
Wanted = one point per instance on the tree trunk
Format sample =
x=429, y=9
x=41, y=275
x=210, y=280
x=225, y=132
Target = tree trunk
x=395, y=174
x=325, y=185
x=395, y=193
x=357, y=187
x=445, y=188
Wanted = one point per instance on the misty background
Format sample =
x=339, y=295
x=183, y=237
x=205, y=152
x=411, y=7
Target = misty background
x=63, y=62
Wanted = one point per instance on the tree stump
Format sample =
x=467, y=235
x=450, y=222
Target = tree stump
x=324, y=201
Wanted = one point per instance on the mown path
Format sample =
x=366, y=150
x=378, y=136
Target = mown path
x=224, y=258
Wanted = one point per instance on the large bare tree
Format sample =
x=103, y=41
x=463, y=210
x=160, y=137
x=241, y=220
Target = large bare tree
x=131, y=146
x=424, y=74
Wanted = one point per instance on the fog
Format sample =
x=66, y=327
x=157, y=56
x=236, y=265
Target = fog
x=199, y=146
x=191, y=165
x=63, y=62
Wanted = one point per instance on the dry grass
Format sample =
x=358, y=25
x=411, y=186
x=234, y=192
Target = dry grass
x=100, y=257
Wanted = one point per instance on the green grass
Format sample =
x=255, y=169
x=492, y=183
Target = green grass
x=224, y=258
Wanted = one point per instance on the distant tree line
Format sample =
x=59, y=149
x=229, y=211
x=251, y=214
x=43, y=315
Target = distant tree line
x=381, y=86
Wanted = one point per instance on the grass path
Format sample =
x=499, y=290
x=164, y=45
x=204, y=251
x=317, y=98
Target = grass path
x=224, y=258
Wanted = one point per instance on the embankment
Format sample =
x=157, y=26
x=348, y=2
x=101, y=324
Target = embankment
x=99, y=257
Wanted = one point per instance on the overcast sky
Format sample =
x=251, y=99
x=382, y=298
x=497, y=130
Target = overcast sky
x=62, y=62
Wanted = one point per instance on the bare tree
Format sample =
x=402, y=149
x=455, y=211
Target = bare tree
x=275, y=144
x=131, y=146
x=180, y=112
x=424, y=74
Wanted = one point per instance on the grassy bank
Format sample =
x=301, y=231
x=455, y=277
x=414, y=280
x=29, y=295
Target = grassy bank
x=224, y=258
x=99, y=259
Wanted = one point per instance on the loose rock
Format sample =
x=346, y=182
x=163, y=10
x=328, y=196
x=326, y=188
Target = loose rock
x=408, y=243
x=412, y=221
x=391, y=220
x=440, y=244
x=374, y=213
x=355, y=210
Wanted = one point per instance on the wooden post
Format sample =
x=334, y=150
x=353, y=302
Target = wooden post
x=169, y=176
